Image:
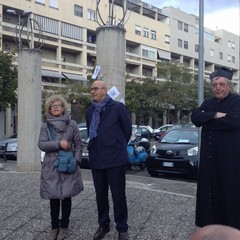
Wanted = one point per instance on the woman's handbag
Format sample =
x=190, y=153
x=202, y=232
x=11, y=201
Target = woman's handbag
x=65, y=161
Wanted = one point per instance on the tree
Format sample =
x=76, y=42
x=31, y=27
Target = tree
x=179, y=87
x=176, y=91
x=8, y=80
x=142, y=97
x=79, y=96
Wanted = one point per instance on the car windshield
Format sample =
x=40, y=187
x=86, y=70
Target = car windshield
x=181, y=137
x=13, y=136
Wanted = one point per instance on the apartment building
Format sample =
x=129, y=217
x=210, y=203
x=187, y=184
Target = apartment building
x=221, y=48
x=152, y=35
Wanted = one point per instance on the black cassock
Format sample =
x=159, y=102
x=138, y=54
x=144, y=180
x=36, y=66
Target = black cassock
x=218, y=186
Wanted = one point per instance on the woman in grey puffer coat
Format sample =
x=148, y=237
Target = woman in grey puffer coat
x=56, y=186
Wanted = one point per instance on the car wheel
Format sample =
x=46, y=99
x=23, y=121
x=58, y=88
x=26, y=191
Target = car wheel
x=151, y=173
x=142, y=166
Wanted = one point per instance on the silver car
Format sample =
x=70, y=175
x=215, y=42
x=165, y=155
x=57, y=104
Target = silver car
x=8, y=147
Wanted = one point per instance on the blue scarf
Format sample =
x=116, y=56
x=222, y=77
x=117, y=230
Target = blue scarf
x=99, y=106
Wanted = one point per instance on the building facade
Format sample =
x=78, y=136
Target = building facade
x=153, y=35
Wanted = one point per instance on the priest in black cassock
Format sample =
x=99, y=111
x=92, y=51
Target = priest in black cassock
x=218, y=186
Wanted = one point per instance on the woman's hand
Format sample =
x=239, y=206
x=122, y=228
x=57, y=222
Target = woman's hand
x=64, y=144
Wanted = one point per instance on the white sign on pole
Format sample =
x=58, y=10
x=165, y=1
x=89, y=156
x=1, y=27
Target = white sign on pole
x=113, y=92
x=96, y=72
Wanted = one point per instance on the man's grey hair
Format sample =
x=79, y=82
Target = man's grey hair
x=229, y=82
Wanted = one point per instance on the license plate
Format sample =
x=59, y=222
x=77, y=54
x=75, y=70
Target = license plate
x=168, y=164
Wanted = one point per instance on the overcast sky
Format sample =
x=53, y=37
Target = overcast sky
x=218, y=14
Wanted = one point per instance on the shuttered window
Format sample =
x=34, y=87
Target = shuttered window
x=47, y=24
x=71, y=31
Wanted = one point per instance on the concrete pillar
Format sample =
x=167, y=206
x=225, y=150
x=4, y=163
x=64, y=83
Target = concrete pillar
x=133, y=118
x=29, y=109
x=9, y=125
x=165, y=117
x=111, y=57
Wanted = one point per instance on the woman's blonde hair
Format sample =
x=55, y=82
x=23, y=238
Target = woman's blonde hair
x=53, y=99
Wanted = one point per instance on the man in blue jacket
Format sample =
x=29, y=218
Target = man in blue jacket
x=109, y=127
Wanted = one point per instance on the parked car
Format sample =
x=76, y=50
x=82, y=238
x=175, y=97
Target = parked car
x=85, y=139
x=82, y=125
x=8, y=147
x=143, y=131
x=85, y=154
x=175, y=153
x=83, y=133
x=159, y=132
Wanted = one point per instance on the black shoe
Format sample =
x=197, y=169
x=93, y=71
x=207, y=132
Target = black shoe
x=123, y=236
x=100, y=233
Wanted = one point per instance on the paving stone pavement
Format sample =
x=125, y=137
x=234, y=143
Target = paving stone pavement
x=157, y=209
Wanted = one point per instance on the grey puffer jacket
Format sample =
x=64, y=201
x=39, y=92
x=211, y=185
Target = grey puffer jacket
x=56, y=185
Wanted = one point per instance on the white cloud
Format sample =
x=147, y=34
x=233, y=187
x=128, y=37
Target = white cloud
x=227, y=19
x=225, y=16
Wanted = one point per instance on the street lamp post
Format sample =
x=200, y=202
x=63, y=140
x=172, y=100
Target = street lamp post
x=20, y=14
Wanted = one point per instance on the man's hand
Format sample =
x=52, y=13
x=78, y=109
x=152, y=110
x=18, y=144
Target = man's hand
x=220, y=115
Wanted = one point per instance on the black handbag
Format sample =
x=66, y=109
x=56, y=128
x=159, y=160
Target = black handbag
x=65, y=161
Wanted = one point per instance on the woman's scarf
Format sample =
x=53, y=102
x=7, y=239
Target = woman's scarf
x=59, y=124
x=99, y=106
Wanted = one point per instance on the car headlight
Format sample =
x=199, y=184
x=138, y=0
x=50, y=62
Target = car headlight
x=153, y=149
x=85, y=154
x=42, y=156
x=192, y=151
x=12, y=147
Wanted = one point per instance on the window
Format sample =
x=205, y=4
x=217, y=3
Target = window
x=91, y=15
x=148, y=73
x=220, y=55
x=7, y=47
x=167, y=39
x=71, y=31
x=180, y=25
x=229, y=58
x=138, y=30
x=148, y=53
x=233, y=45
x=146, y=32
x=40, y=1
x=145, y=53
x=179, y=43
x=78, y=10
x=185, y=45
x=153, y=35
x=151, y=54
x=47, y=24
x=53, y=3
x=233, y=59
x=196, y=48
x=229, y=44
x=211, y=53
x=185, y=27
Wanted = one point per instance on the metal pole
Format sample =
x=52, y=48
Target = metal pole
x=201, y=54
x=201, y=65
x=19, y=38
